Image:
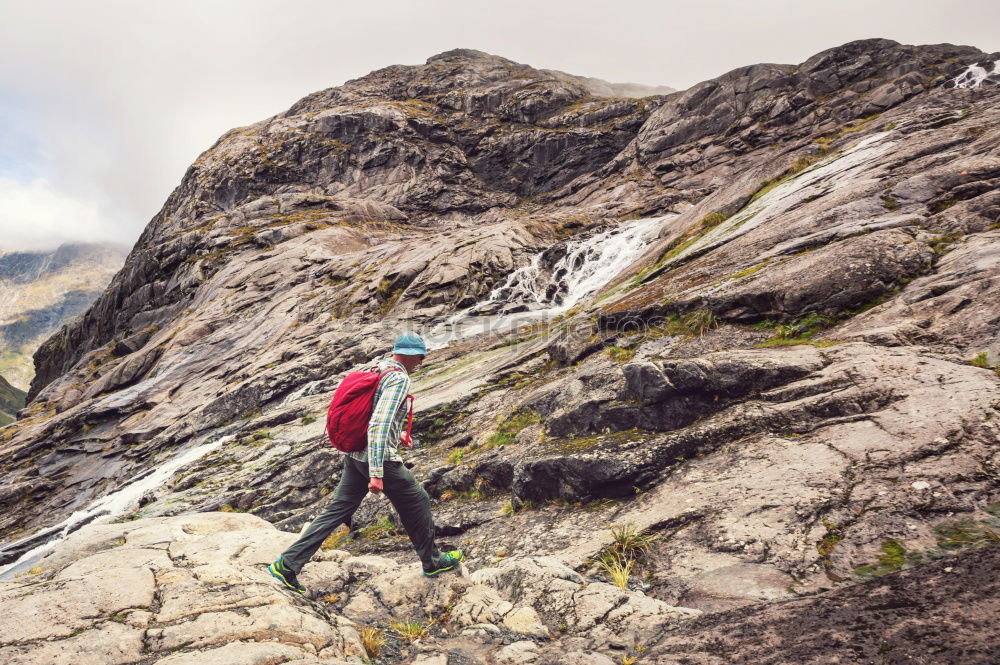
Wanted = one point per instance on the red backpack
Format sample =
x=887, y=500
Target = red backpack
x=351, y=409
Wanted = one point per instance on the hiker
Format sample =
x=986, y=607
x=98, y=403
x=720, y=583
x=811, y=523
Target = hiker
x=376, y=468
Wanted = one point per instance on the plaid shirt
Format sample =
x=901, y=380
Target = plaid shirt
x=388, y=419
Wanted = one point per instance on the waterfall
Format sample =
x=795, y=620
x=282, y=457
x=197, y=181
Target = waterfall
x=547, y=286
x=975, y=75
x=107, y=507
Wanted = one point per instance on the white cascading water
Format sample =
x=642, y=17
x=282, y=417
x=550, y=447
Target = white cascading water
x=975, y=75
x=113, y=505
x=531, y=294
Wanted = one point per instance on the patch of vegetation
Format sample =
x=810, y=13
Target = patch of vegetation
x=713, y=219
x=748, y=271
x=699, y=321
x=618, y=568
x=828, y=543
x=411, y=631
x=507, y=433
x=456, y=456
x=507, y=509
x=338, y=539
x=472, y=494
x=967, y=534
x=629, y=547
x=889, y=202
x=951, y=537
x=893, y=558
x=382, y=528
x=620, y=355
x=858, y=124
x=941, y=206
x=981, y=359
x=228, y=508
x=515, y=380
x=799, y=165
x=307, y=420
x=942, y=244
x=435, y=429
x=373, y=640
x=34, y=570
x=630, y=541
x=584, y=443
x=691, y=324
x=797, y=332
x=673, y=250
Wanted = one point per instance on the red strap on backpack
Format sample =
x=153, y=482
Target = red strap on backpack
x=407, y=439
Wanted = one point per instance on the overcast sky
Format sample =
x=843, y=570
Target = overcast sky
x=104, y=104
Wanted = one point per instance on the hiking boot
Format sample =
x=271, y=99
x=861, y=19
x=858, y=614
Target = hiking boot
x=286, y=575
x=447, y=561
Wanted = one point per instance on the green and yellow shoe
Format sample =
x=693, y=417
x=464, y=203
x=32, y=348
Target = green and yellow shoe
x=286, y=575
x=447, y=561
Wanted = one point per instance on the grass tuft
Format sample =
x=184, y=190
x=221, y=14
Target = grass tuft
x=942, y=244
x=620, y=355
x=965, y=534
x=373, y=640
x=700, y=321
x=383, y=527
x=981, y=359
x=630, y=541
x=713, y=219
x=618, y=567
x=337, y=539
x=411, y=631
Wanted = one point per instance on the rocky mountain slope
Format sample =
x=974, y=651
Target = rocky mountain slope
x=11, y=401
x=41, y=291
x=752, y=325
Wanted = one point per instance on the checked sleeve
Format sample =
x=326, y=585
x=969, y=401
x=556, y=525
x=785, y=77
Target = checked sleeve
x=393, y=390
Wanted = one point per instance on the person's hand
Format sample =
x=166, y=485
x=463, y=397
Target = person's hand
x=375, y=485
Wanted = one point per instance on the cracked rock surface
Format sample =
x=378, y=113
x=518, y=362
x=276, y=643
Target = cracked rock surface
x=195, y=589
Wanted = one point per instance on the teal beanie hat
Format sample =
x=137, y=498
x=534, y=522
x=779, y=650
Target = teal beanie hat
x=410, y=344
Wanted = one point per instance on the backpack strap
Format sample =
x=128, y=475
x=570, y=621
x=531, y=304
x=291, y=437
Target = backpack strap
x=407, y=439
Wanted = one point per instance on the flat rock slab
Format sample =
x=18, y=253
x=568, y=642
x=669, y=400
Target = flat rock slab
x=244, y=653
x=108, y=643
x=61, y=608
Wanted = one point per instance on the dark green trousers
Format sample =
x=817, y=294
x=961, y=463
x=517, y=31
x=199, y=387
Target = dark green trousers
x=404, y=492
